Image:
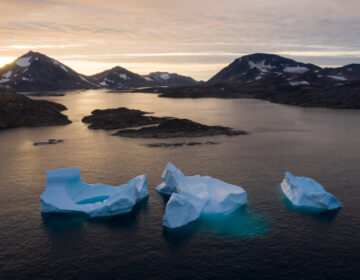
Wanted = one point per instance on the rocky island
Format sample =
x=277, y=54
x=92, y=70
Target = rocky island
x=155, y=127
x=173, y=128
x=17, y=110
x=119, y=118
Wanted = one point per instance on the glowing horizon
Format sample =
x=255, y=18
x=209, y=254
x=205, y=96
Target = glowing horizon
x=190, y=38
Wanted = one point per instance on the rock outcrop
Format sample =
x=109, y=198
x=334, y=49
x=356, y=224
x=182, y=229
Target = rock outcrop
x=17, y=110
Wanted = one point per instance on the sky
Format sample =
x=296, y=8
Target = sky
x=190, y=37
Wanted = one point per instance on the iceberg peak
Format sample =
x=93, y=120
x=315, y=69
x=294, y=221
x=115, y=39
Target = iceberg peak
x=305, y=192
x=193, y=195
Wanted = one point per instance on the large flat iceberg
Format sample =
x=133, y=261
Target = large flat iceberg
x=194, y=195
x=304, y=192
x=66, y=192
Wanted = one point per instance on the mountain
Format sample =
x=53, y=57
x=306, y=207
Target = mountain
x=37, y=72
x=18, y=110
x=169, y=79
x=350, y=73
x=280, y=80
x=119, y=78
x=258, y=67
x=266, y=69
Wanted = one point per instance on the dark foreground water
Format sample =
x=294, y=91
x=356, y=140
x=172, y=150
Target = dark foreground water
x=265, y=240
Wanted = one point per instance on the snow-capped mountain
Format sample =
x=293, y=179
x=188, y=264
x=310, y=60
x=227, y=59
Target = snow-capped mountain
x=37, y=72
x=280, y=80
x=256, y=67
x=169, y=79
x=349, y=72
x=119, y=78
x=269, y=69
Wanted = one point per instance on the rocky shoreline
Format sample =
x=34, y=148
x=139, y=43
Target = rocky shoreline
x=150, y=126
x=175, y=128
x=179, y=144
x=17, y=110
x=337, y=97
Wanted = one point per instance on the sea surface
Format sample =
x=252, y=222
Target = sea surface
x=264, y=240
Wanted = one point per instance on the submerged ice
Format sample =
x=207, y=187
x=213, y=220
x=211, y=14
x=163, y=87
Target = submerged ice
x=66, y=192
x=194, y=195
x=304, y=192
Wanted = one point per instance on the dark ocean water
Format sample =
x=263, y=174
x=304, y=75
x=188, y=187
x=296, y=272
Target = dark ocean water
x=264, y=240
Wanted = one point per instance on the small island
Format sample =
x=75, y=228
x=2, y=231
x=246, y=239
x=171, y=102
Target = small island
x=174, y=128
x=119, y=118
x=150, y=126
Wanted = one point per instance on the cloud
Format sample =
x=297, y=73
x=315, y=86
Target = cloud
x=206, y=31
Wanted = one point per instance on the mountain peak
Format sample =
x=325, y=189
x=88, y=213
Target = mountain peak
x=32, y=54
x=169, y=79
x=34, y=71
x=118, y=68
x=258, y=66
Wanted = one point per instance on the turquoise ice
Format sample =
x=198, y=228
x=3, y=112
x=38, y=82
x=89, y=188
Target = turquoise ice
x=305, y=192
x=66, y=192
x=195, y=195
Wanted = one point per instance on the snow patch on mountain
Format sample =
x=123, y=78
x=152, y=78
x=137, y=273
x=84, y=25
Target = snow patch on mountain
x=7, y=74
x=124, y=76
x=260, y=65
x=299, y=83
x=296, y=70
x=84, y=79
x=61, y=66
x=27, y=79
x=4, y=81
x=164, y=76
x=23, y=61
x=338, y=78
x=108, y=80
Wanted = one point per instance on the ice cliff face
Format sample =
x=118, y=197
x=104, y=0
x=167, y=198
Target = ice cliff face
x=304, y=192
x=66, y=193
x=193, y=195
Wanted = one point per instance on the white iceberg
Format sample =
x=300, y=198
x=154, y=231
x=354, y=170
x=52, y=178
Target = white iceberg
x=304, y=192
x=194, y=195
x=66, y=192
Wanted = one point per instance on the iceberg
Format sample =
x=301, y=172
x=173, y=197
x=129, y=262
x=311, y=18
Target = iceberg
x=66, y=192
x=305, y=192
x=192, y=196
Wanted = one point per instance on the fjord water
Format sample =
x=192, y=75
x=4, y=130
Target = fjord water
x=264, y=240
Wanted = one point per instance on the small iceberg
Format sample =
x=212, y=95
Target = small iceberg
x=66, y=192
x=194, y=195
x=304, y=192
